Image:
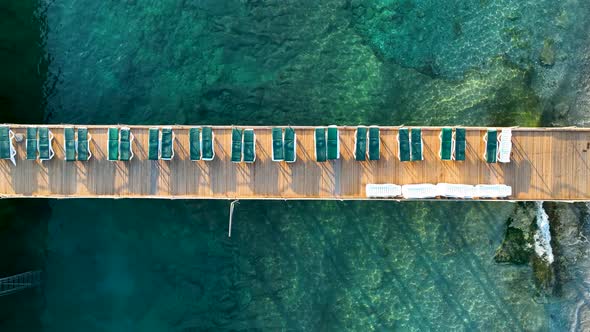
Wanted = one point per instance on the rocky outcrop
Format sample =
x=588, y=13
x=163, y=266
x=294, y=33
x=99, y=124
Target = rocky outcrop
x=517, y=246
x=522, y=242
x=547, y=56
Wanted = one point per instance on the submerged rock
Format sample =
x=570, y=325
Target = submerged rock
x=517, y=246
x=520, y=242
x=544, y=274
x=547, y=56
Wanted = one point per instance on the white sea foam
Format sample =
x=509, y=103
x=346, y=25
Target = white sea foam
x=542, y=235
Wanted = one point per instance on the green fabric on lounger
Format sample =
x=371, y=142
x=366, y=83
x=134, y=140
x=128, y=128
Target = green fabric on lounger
x=113, y=144
x=207, y=138
x=125, y=145
x=460, y=144
x=31, y=143
x=333, y=143
x=4, y=142
x=290, y=145
x=154, y=144
x=195, y=143
x=416, y=144
x=167, y=144
x=492, y=146
x=43, y=144
x=249, y=146
x=360, y=148
x=404, y=144
x=320, y=144
x=236, y=145
x=278, y=152
x=83, y=151
x=446, y=144
x=70, y=144
x=374, y=143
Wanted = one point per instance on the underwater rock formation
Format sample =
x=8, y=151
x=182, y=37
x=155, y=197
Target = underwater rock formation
x=517, y=246
x=547, y=56
x=525, y=242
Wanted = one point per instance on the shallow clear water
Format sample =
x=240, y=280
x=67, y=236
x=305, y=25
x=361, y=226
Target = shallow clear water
x=288, y=265
x=326, y=266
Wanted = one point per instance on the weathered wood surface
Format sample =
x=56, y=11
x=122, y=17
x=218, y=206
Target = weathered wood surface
x=547, y=164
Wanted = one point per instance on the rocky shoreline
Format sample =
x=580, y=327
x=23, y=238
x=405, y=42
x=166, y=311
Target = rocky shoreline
x=566, y=277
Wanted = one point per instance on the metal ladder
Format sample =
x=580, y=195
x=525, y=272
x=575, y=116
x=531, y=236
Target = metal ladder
x=19, y=282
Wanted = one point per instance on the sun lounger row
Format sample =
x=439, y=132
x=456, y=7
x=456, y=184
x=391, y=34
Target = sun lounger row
x=427, y=190
x=120, y=144
x=7, y=150
x=327, y=143
x=161, y=143
x=367, y=144
x=284, y=144
x=498, y=146
x=201, y=143
x=77, y=144
x=373, y=137
x=452, y=144
x=243, y=145
x=39, y=144
x=410, y=145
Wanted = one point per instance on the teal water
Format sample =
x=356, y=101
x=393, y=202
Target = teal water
x=301, y=266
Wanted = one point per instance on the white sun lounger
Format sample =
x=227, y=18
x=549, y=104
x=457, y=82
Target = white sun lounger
x=11, y=137
x=383, y=190
x=456, y=190
x=504, y=145
x=425, y=190
x=492, y=191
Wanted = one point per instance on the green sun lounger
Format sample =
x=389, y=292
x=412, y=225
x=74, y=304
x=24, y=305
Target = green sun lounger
x=491, y=146
x=31, y=143
x=4, y=143
x=83, y=144
x=44, y=144
x=207, y=143
x=278, y=152
x=70, y=144
x=360, y=145
x=446, y=144
x=290, y=145
x=195, y=143
x=236, y=145
x=167, y=144
x=125, y=145
x=374, y=143
x=113, y=147
x=416, y=144
x=7, y=150
x=249, y=146
x=403, y=138
x=154, y=144
x=460, y=144
x=333, y=143
x=320, y=144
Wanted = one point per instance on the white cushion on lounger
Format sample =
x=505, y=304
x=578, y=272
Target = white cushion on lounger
x=505, y=145
x=492, y=190
x=383, y=190
x=456, y=190
x=425, y=190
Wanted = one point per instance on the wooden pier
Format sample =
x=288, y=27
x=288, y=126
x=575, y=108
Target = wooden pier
x=547, y=164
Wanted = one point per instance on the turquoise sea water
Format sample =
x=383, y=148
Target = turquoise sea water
x=301, y=266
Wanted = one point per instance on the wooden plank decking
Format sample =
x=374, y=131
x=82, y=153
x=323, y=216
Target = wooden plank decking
x=547, y=164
